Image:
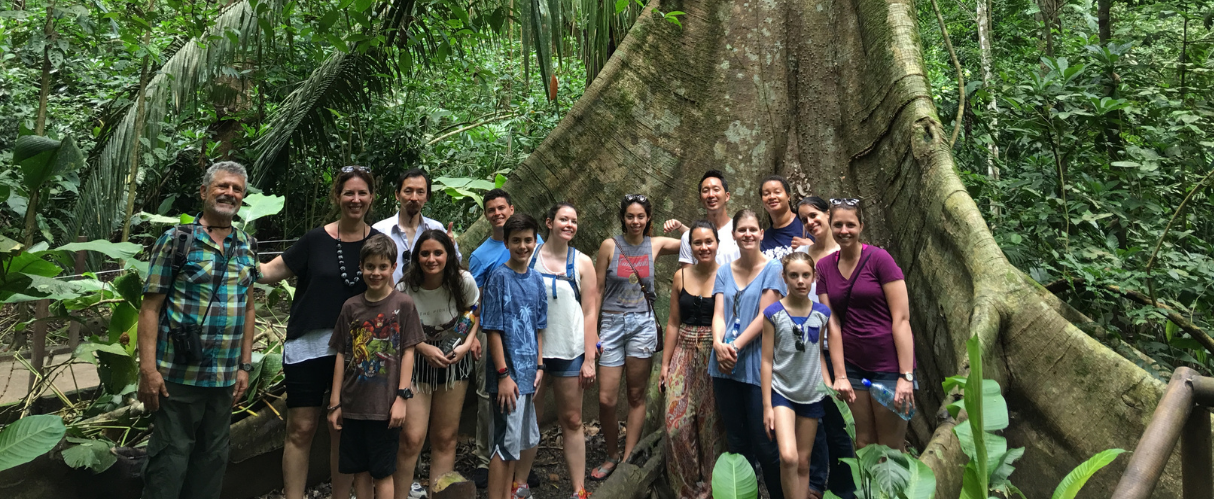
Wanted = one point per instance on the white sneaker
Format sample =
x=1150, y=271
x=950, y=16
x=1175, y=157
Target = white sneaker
x=523, y=491
x=417, y=491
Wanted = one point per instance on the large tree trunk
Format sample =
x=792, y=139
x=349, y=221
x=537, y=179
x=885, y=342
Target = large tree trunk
x=833, y=94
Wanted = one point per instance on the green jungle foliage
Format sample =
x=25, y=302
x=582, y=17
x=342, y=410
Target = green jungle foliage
x=1087, y=152
x=1080, y=150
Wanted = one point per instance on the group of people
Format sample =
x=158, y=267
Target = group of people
x=763, y=314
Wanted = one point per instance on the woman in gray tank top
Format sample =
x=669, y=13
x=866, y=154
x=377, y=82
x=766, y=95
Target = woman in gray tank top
x=628, y=333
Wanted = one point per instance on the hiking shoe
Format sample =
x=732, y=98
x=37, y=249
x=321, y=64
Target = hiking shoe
x=480, y=477
x=417, y=491
x=521, y=491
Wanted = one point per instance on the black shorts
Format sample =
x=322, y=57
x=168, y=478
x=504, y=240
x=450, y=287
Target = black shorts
x=367, y=447
x=308, y=381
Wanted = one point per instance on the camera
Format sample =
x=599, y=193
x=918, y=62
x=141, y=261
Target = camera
x=187, y=343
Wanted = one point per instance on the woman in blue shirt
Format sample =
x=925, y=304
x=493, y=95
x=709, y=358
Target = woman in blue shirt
x=744, y=288
x=785, y=233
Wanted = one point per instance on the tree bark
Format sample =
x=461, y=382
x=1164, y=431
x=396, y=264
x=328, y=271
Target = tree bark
x=132, y=179
x=983, y=15
x=44, y=94
x=834, y=95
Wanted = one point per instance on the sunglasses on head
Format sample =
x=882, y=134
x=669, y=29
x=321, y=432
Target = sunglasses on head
x=844, y=201
x=348, y=169
x=640, y=198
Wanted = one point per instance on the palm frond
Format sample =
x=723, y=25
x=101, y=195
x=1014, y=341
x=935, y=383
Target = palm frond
x=175, y=84
x=346, y=81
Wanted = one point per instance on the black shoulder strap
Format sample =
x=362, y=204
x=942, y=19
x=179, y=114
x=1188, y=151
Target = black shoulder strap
x=850, y=283
x=183, y=242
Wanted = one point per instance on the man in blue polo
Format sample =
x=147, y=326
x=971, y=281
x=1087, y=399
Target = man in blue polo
x=486, y=257
x=195, y=338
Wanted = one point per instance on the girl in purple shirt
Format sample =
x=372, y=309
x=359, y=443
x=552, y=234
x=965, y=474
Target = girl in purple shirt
x=869, y=326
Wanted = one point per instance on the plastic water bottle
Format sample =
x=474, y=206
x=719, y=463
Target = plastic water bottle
x=886, y=397
x=458, y=333
x=734, y=332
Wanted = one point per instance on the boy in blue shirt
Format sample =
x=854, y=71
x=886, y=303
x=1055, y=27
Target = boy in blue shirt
x=515, y=310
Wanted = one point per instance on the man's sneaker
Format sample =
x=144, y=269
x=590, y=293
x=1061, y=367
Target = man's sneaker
x=533, y=480
x=480, y=477
x=521, y=491
x=417, y=491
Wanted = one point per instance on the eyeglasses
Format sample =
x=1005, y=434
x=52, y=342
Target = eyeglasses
x=802, y=336
x=639, y=198
x=351, y=168
x=844, y=201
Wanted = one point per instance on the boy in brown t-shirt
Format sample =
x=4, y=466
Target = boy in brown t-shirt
x=374, y=339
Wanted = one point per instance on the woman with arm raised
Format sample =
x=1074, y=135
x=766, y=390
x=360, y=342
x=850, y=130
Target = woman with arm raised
x=325, y=261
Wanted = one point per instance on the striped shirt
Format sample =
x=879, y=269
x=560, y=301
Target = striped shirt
x=228, y=275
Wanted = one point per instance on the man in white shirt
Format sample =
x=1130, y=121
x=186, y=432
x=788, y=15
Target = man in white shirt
x=714, y=195
x=412, y=191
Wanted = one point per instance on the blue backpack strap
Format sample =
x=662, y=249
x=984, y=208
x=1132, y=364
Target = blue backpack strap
x=570, y=261
x=535, y=254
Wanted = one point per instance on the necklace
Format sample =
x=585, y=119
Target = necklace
x=341, y=263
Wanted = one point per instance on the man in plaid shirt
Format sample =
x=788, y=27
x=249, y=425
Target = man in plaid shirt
x=195, y=343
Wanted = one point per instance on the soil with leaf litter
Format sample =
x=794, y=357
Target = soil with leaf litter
x=549, y=464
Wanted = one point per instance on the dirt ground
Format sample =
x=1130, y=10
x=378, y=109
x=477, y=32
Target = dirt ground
x=549, y=465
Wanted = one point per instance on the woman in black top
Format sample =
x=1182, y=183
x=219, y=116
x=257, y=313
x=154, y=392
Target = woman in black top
x=325, y=260
x=692, y=426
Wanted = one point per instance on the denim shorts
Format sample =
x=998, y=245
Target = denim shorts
x=564, y=368
x=628, y=334
x=855, y=375
x=812, y=411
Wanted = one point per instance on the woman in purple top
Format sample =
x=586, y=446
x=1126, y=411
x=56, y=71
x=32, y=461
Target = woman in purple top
x=869, y=325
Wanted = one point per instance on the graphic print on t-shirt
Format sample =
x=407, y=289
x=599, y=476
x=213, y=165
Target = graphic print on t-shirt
x=375, y=344
x=627, y=264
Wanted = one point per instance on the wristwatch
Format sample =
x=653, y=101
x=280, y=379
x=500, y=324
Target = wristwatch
x=539, y=367
x=910, y=376
x=503, y=373
x=405, y=393
x=246, y=367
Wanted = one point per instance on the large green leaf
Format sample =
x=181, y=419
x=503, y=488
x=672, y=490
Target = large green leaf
x=849, y=421
x=130, y=287
x=1075, y=480
x=972, y=485
x=28, y=438
x=86, y=349
x=117, y=251
x=124, y=318
x=260, y=205
x=733, y=478
x=995, y=446
x=41, y=288
x=33, y=265
x=8, y=245
x=921, y=484
x=1002, y=469
x=89, y=453
x=974, y=407
x=41, y=158
x=116, y=372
